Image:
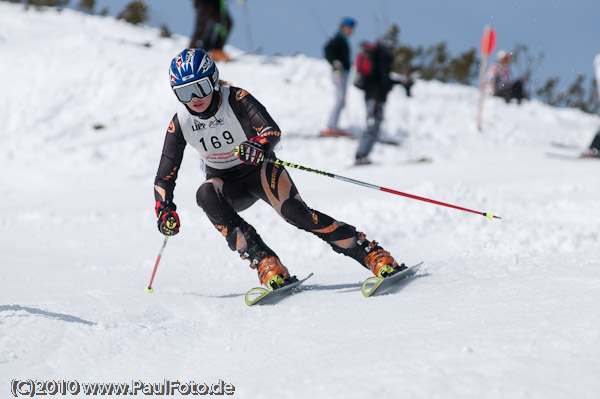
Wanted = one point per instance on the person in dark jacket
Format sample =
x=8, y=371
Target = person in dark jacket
x=337, y=53
x=213, y=24
x=376, y=90
x=593, y=150
x=235, y=136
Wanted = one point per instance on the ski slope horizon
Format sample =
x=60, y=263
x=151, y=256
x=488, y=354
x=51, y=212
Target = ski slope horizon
x=502, y=308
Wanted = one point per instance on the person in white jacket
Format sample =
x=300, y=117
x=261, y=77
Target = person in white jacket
x=501, y=81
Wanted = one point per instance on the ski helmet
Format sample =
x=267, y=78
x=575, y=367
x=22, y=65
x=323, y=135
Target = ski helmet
x=503, y=55
x=193, y=73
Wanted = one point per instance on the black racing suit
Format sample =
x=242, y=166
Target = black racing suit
x=228, y=191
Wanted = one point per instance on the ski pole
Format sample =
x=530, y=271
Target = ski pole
x=149, y=288
x=277, y=161
x=248, y=26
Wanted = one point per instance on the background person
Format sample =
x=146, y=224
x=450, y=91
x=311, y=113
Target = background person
x=213, y=24
x=501, y=80
x=337, y=53
x=376, y=89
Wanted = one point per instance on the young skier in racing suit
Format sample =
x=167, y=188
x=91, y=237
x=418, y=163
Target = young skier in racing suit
x=235, y=135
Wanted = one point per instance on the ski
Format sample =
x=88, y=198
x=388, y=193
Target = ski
x=571, y=151
x=569, y=156
x=262, y=295
x=567, y=146
x=378, y=285
x=411, y=161
x=335, y=133
x=422, y=159
x=307, y=136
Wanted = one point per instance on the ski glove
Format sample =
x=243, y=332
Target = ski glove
x=252, y=152
x=168, y=220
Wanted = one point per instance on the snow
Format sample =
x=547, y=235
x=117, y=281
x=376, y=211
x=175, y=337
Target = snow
x=502, y=308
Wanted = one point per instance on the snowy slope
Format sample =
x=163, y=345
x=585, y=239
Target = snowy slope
x=502, y=309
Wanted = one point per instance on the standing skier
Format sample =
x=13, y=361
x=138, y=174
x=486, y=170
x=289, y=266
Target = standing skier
x=594, y=149
x=337, y=53
x=234, y=134
x=213, y=24
x=377, y=88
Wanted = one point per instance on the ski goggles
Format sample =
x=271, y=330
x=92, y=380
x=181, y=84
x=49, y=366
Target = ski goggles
x=199, y=88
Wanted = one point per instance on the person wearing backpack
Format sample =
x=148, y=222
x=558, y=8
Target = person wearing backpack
x=337, y=53
x=374, y=67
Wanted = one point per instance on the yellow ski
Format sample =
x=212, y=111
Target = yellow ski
x=263, y=295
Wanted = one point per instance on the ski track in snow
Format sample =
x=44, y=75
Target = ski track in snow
x=507, y=308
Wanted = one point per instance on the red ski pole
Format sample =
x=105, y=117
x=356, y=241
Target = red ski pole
x=277, y=161
x=149, y=288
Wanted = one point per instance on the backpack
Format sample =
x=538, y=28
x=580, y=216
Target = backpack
x=364, y=64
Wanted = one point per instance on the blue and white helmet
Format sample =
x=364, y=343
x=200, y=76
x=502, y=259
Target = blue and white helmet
x=193, y=73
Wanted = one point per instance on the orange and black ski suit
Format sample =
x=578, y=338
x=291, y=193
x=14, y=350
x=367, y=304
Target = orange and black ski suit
x=232, y=186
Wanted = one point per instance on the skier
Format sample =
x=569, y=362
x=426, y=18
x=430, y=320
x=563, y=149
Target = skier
x=337, y=52
x=593, y=150
x=501, y=82
x=213, y=24
x=235, y=135
x=376, y=89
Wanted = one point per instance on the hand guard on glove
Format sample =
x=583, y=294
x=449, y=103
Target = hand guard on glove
x=168, y=220
x=252, y=152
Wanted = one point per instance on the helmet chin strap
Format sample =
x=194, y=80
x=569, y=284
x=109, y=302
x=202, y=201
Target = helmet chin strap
x=212, y=109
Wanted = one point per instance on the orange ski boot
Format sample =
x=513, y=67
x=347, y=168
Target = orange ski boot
x=271, y=273
x=219, y=55
x=378, y=260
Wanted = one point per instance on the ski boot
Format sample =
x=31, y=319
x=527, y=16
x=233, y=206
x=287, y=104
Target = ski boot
x=590, y=153
x=378, y=260
x=219, y=55
x=362, y=161
x=271, y=273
